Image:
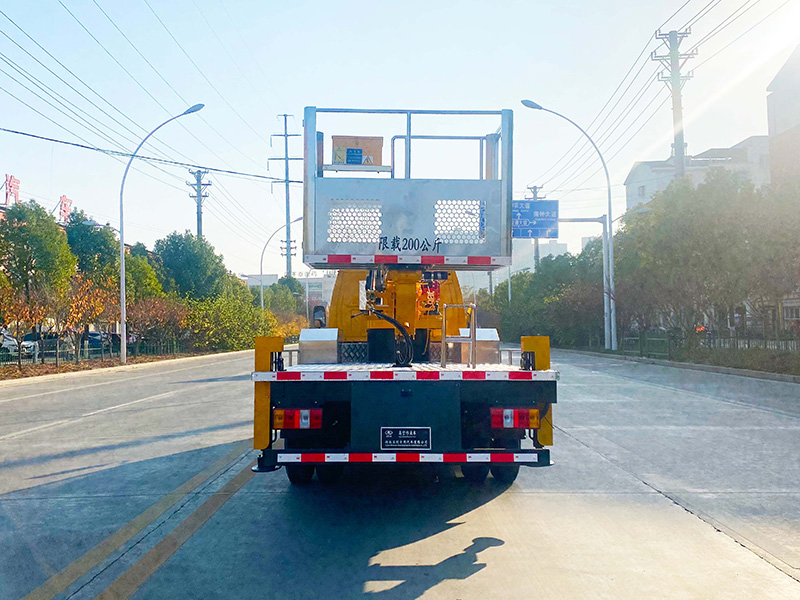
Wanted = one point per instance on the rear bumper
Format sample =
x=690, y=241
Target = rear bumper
x=271, y=459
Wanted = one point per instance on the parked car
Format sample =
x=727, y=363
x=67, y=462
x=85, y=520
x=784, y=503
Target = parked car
x=10, y=346
x=98, y=338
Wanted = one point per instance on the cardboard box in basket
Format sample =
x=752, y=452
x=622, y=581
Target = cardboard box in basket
x=357, y=150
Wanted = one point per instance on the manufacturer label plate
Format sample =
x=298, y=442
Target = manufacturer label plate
x=405, y=438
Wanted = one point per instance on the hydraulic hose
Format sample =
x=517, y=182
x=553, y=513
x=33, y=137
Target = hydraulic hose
x=404, y=359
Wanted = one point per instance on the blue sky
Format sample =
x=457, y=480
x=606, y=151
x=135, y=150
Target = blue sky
x=264, y=58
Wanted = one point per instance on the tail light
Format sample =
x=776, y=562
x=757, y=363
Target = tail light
x=297, y=418
x=515, y=418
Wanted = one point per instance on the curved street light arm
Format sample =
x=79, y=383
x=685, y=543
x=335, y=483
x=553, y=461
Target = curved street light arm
x=123, y=346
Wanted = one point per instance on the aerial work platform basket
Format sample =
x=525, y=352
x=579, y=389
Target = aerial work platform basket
x=359, y=213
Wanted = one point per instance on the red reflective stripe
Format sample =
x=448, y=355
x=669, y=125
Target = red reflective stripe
x=474, y=375
x=502, y=458
x=520, y=375
x=456, y=457
x=427, y=374
x=432, y=259
x=287, y=376
x=335, y=375
x=479, y=260
x=386, y=258
x=381, y=375
x=339, y=258
x=409, y=457
x=312, y=457
x=360, y=457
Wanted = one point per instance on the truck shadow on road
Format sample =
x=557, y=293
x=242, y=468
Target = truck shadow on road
x=379, y=533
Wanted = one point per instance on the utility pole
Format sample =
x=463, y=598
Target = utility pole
x=673, y=62
x=535, y=189
x=286, y=158
x=199, y=186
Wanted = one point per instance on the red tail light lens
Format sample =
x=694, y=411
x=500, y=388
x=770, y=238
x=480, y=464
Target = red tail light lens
x=297, y=418
x=515, y=418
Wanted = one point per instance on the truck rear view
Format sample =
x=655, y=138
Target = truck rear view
x=396, y=369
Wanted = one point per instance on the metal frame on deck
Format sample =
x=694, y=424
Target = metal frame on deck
x=406, y=203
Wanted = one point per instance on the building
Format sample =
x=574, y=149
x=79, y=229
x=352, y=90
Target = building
x=256, y=280
x=749, y=159
x=318, y=284
x=783, y=116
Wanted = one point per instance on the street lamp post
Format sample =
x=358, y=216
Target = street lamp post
x=123, y=333
x=261, y=267
x=608, y=257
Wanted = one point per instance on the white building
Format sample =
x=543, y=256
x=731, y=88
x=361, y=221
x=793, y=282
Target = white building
x=749, y=159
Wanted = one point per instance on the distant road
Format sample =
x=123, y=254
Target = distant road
x=667, y=483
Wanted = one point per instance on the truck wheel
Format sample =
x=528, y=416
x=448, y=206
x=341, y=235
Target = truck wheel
x=329, y=474
x=300, y=474
x=475, y=473
x=505, y=473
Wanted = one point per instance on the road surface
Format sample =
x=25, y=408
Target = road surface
x=135, y=483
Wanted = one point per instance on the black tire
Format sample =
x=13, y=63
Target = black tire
x=300, y=474
x=329, y=474
x=505, y=473
x=475, y=473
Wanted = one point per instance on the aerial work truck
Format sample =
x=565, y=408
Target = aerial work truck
x=396, y=369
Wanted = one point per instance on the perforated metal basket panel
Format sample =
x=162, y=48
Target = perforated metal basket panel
x=355, y=221
x=460, y=221
x=406, y=218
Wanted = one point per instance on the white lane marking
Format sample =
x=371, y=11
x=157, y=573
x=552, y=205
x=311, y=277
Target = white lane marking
x=91, y=385
x=9, y=436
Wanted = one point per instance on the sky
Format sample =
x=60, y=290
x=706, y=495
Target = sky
x=249, y=61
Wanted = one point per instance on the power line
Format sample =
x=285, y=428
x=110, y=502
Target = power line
x=233, y=60
x=701, y=13
x=178, y=94
x=138, y=156
x=635, y=133
x=745, y=32
x=577, y=174
x=731, y=18
x=587, y=153
x=581, y=140
x=82, y=82
x=256, y=62
x=58, y=98
x=202, y=74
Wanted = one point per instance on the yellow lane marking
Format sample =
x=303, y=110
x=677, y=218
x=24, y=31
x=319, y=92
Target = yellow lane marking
x=68, y=575
x=14, y=434
x=132, y=579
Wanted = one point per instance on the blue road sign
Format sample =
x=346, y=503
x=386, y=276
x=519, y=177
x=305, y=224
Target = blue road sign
x=534, y=219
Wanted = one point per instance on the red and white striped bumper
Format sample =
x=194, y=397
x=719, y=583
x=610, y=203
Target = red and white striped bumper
x=288, y=458
x=396, y=375
x=395, y=259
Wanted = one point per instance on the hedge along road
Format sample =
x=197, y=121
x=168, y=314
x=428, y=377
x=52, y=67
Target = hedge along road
x=151, y=475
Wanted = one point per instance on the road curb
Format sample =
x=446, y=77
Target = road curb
x=692, y=366
x=99, y=371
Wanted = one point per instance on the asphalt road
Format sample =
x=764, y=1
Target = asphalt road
x=667, y=483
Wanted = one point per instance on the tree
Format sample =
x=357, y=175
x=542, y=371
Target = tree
x=157, y=319
x=96, y=248
x=34, y=253
x=228, y=321
x=279, y=299
x=191, y=263
x=141, y=280
x=21, y=311
x=84, y=302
